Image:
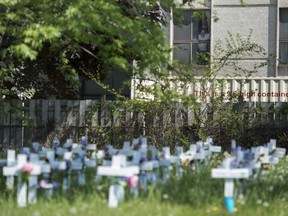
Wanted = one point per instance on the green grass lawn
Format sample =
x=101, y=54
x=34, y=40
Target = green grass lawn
x=194, y=194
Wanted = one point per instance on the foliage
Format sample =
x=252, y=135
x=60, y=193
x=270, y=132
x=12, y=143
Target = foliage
x=125, y=120
x=165, y=110
x=45, y=44
x=216, y=113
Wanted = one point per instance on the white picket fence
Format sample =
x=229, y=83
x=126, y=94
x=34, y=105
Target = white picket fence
x=254, y=89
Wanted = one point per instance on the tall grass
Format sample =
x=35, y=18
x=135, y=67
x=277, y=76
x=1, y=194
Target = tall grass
x=193, y=194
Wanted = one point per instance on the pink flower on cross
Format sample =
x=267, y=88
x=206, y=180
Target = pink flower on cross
x=27, y=168
x=133, y=181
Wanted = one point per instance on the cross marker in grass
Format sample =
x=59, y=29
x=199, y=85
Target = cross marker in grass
x=229, y=174
x=25, y=172
x=118, y=168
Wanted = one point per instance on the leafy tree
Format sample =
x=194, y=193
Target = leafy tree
x=45, y=44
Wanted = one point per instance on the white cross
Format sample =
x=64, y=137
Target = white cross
x=67, y=179
x=22, y=186
x=198, y=154
x=77, y=164
x=229, y=175
x=11, y=161
x=118, y=168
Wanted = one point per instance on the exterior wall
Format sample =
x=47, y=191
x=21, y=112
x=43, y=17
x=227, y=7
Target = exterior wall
x=196, y=4
x=283, y=3
x=258, y=15
x=261, y=16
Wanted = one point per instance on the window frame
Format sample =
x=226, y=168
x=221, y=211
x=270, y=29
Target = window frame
x=192, y=41
x=282, y=41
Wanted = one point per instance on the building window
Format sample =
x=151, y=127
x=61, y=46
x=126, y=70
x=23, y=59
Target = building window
x=192, y=37
x=283, y=36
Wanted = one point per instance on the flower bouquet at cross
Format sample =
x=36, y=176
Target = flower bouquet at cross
x=26, y=170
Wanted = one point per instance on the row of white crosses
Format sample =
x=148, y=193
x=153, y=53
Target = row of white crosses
x=145, y=167
x=243, y=164
x=146, y=164
x=200, y=152
x=71, y=157
x=119, y=166
x=41, y=162
x=18, y=168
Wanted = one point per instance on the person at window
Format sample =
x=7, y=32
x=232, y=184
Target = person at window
x=203, y=47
